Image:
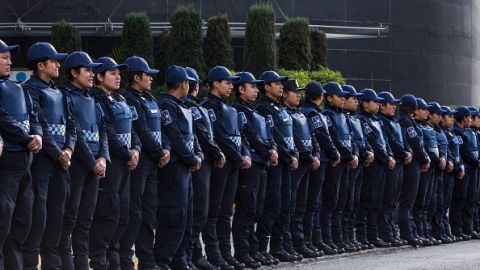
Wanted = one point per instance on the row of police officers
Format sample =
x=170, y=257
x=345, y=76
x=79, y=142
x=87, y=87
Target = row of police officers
x=91, y=177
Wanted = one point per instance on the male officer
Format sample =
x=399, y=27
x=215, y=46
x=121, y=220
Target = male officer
x=449, y=178
x=213, y=157
x=49, y=167
x=426, y=177
x=228, y=135
x=314, y=94
x=252, y=181
x=175, y=204
x=373, y=175
x=277, y=195
x=143, y=182
x=22, y=134
x=387, y=228
x=336, y=176
x=308, y=152
x=355, y=176
x=411, y=171
x=473, y=196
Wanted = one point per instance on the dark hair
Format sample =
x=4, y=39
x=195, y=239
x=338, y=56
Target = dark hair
x=309, y=95
x=33, y=65
x=459, y=118
x=130, y=76
x=407, y=108
x=173, y=86
x=95, y=80
x=191, y=86
x=70, y=77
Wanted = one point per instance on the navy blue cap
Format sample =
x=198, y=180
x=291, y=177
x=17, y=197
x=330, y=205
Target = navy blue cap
x=447, y=110
x=474, y=111
x=462, y=111
x=333, y=88
x=79, y=59
x=272, y=76
x=352, y=92
x=314, y=90
x=193, y=73
x=435, y=108
x=388, y=97
x=138, y=64
x=247, y=77
x=177, y=74
x=108, y=64
x=44, y=50
x=369, y=95
x=220, y=73
x=5, y=48
x=421, y=104
x=409, y=99
x=292, y=85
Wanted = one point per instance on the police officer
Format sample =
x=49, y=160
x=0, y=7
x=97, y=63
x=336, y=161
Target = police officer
x=426, y=178
x=411, y=171
x=49, y=167
x=143, y=181
x=387, y=227
x=458, y=172
x=440, y=161
x=111, y=214
x=373, y=183
x=314, y=94
x=474, y=187
x=461, y=208
x=336, y=176
x=175, y=204
x=213, y=156
x=252, y=181
x=355, y=176
x=227, y=133
x=22, y=135
x=308, y=153
x=277, y=195
x=89, y=161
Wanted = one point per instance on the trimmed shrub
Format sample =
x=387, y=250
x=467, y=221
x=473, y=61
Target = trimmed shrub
x=217, y=47
x=294, y=51
x=65, y=37
x=322, y=75
x=137, y=37
x=318, y=43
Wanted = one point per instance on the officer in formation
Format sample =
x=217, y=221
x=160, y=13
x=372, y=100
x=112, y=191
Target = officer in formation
x=93, y=177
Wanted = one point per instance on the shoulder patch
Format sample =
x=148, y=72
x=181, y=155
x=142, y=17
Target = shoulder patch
x=458, y=140
x=134, y=113
x=367, y=128
x=412, y=133
x=316, y=121
x=195, y=113
x=269, y=120
x=329, y=122
x=242, y=117
x=166, y=118
x=212, y=115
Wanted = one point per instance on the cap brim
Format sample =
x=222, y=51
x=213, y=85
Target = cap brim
x=95, y=65
x=59, y=56
x=12, y=49
x=152, y=71
x=379, y=99
x=358, y=95
x=343, y=94
x=232, y=78
x=191, y=79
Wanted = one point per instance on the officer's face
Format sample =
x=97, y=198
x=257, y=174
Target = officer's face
x=274, y=89
x=435, y=118
x=291, y=98
x=336, y=101
x=421, y=114
x=447, y=121
x=248, y=92
x=49, y=68
x=143, y=83
x=111, y=80
x=351, y=104
x=84, y=78
x=388, y=109
x=223, y=88
x=371, y=106
x=476, y=122
x=5, y=63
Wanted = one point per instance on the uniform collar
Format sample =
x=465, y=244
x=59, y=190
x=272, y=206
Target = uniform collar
x=211, y=96
x=73, y=89
x=168, y=96
x=140, y=94
x=192, y=99
x=36, y=81
x=308, y=103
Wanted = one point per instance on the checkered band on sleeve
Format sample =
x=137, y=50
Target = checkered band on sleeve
x=56, y=129
x=290, y=143
x=24, y=125
x=125, y=139
x=237, y=140
x=157, y=136
x=91, y=136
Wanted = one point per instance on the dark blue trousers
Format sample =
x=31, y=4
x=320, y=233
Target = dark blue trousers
x=420, y=206
x=408, y=194
x=314, y=198
x=298, y=205
x=281, y=226
x=470, y=203
x=459, y=210
x=355, y=179
x=386, y=217
x=437, y=226
x=448, y=181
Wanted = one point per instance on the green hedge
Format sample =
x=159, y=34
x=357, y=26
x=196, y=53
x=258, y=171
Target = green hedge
x=65, y=37
x=137, y=37
x=318, y=43
x=218, y=49
x=323, y=75
x=294, y=51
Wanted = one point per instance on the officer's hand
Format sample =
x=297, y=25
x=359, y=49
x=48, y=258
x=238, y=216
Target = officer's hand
x=408, y=159
x=165, y=159
x=133, y=162
x=354, y=162
x=461, y=174
x=246, y=163
x=315, y=164
x=198, y=165
x=425, y=167
x=442, y=164
x=100, y=167
x=35, y=144
x=370, y=158
x=336, y=161
x=273, y=157
x=450, y=166
x=221, y=162
x=294, y=164
x=391, y=163
x=65, y=158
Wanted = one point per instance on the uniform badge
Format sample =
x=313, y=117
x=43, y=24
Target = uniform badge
x=166, y=118
x=212, y=115
x=412, y=133
x=317, y=122
x=195, y=113
x=134, y=113
x=329, y=122
x=243, y=118
x=367, y=128
x=269, y=120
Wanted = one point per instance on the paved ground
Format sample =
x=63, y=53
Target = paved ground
x=457, y=256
